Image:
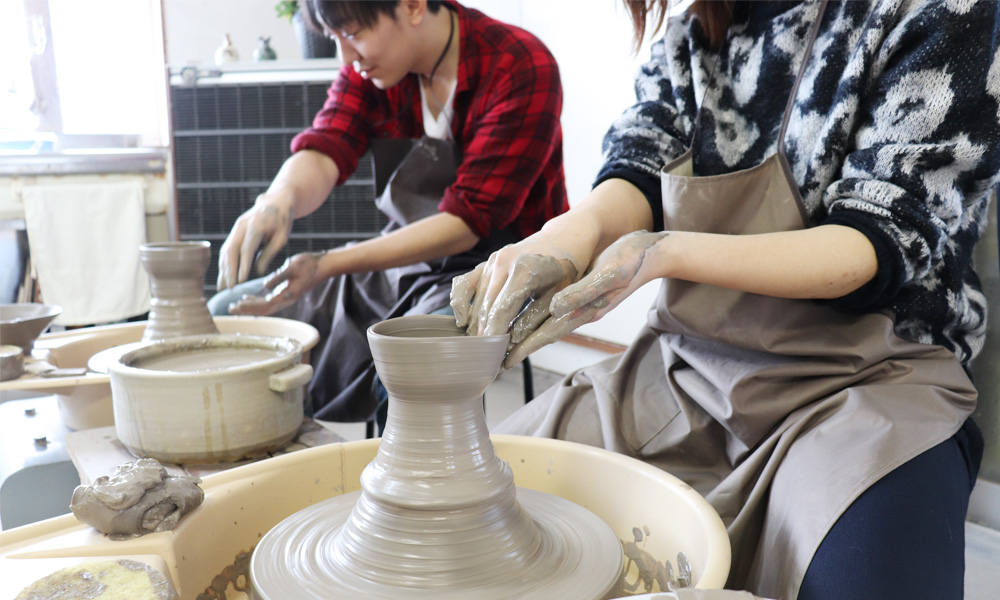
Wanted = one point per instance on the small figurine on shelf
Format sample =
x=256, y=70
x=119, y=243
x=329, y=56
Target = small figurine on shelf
x=264, y=51
x=226, y=53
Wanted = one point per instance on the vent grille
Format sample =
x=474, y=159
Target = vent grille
x=230, y=140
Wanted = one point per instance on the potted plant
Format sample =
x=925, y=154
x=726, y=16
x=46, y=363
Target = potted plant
x=314, y=44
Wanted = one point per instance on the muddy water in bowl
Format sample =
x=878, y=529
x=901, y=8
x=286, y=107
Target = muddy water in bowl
x=209, y=399
x=439, y=516
x=207, y=359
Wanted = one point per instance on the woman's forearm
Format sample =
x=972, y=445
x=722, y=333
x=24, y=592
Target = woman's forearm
x=822, y=262
x=825, y=262
x=611, y=210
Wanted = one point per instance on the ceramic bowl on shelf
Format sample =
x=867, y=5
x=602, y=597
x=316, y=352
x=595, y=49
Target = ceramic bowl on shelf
x=22, y=323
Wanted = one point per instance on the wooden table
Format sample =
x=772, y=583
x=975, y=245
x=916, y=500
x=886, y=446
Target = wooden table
x=98, y=452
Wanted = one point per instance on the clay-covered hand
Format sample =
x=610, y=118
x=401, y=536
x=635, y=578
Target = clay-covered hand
x=287, y=285
x=512, y=290
x=620, y=270
x=270, y=220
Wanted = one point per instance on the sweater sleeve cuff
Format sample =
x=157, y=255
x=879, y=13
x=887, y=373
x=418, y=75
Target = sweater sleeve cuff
x=648, y=184
x=880, y=291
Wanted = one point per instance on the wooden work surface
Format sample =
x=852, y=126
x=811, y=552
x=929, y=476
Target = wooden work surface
x=97, y=452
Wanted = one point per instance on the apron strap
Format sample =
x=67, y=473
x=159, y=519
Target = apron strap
x=813, y=34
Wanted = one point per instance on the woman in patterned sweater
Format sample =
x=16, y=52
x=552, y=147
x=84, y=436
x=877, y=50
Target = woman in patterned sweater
x=808, y=181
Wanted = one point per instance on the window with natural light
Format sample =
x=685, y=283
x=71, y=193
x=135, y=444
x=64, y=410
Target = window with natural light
x=81, y=74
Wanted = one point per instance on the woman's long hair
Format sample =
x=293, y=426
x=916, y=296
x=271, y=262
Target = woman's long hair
x=714, y=15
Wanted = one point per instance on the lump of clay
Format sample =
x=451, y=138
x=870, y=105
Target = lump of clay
x=100, y=579
x=139, y=498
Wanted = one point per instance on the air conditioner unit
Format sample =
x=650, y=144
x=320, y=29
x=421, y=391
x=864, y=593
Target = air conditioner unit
x=231, y=131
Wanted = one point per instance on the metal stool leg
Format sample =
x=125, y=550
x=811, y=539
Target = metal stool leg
x=529, y=381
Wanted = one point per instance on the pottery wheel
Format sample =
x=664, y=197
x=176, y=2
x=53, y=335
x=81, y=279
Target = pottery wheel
x=578, y=557
x=439, y=516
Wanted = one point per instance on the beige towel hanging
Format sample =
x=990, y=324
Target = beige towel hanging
x=84, y=245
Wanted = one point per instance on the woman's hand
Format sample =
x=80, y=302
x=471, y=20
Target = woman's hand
x=512, y=290
x=270, y=219
x=623, y=268
x=287, y=285
x=531, y=282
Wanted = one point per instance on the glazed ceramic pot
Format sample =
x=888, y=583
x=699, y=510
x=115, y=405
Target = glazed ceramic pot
x=176, y=282
x=209, y=399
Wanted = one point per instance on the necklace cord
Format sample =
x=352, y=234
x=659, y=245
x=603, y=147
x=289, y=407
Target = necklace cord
x=451, y=34
x=430, y=78
x=409, y=103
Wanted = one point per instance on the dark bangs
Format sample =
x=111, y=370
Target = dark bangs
x=335, y=15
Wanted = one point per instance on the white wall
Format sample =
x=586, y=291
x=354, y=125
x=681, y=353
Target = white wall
x=195, y=28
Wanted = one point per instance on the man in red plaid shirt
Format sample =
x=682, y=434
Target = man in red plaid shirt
x=413, y=69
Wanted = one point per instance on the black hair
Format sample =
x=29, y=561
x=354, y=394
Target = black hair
x=328, y=15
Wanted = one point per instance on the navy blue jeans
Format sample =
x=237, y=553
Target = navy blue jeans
x=904, y=537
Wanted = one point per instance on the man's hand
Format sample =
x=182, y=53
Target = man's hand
x=287, y=285
x=301, y=186
x=269, y=219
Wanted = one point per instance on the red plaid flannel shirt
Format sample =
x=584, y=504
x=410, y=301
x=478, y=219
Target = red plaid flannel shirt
x=507, y=105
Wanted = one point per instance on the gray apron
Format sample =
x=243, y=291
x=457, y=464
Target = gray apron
x=780, y=412
x=344, y=307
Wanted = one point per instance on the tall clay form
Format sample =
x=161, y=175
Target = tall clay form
x=176, y=275
x=439, y=515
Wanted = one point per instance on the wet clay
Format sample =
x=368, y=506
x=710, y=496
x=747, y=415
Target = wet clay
x=613, y=272
x=235, y=576
x=139, y=498
x=207, y=359
x=532, y=281
x=439, y=515
x=176, y=282
x=579, y=303
x=102, y=579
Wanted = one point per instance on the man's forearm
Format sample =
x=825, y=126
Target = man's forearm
x=305, y=181
x=429, y=239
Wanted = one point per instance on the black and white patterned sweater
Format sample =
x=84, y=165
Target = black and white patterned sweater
x=894, y=132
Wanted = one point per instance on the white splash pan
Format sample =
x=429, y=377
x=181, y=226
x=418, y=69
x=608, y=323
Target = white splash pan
x=85, y=401
x=244, y=503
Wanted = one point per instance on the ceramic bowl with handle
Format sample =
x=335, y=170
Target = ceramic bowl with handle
x=209, y=399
